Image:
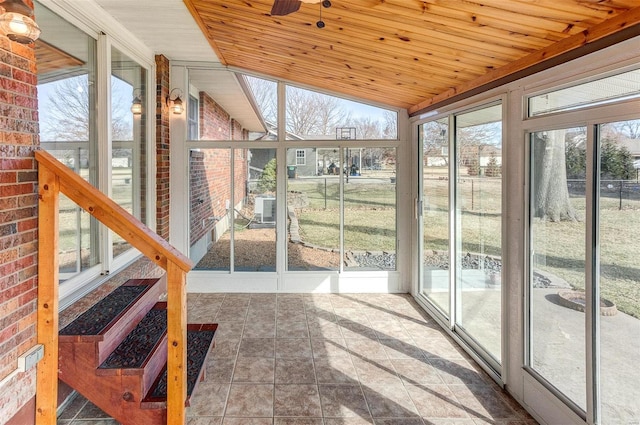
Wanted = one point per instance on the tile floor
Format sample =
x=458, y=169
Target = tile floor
x=328, y=359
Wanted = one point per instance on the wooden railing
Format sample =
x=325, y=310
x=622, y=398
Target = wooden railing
x=55, y=178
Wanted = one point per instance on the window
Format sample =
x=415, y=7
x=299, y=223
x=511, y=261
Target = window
x=193, y=118
x=604, y=90
x=583, y=237
x=301, y=157
x=69, y=96
x=71, y=138
x=311, y=115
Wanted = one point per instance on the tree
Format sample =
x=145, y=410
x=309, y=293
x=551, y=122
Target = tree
x=473, y=167
x=493, y=168
x=435, y=142
x=367, y=128
x=310, y=113
x=69, y=111
x=390, y=125
x=267, y=182
x=616, y=162
x=265, y=93
x=551, y=194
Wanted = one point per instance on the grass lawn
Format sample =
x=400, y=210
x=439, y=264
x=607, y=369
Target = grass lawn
x=370, y=224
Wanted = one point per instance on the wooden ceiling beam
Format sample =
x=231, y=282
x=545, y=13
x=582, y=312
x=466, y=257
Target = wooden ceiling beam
x=623, y=21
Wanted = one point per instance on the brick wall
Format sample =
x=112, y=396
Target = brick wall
x=210, y=177
x=18, y=220
x=162, y=147
x=214, y=120
x=210, y=185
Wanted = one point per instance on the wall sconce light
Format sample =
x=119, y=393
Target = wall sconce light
x=16, y=22
x=176, y=102
x=136, y=105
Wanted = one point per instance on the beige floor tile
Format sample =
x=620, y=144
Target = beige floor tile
x=225, y=348
x=356, y=330
x=229, y=330
x=219, y=370
x=247, y=421
x=259, y=329
x=297, y=400
x=335, y=370
x=436, y=401
x=295, y=371
x=329, y=347
x=440, y=421
x=366, y=348
x=298, y=421
x=293, y=348
x=204, y=420
x=459, y=371
x=324, y=330
x=254, y=370
x=415, y=371
x=375, y=371
x=483, y=402
x=292, y=328
x=348, y=421
x=391, y=329
x=397, y=349
x=257, y=347
x=399, y=421
x=389, y=401
x=343, y=401
x=209, y=399
x=284, y=360
x=250, y=401
x=230, y=314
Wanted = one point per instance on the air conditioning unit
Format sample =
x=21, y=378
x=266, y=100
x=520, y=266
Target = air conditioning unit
x=265, y=209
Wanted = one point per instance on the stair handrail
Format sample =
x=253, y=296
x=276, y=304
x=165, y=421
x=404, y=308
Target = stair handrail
x=54, y=178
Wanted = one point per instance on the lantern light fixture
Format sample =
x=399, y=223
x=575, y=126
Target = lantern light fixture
x=174, y=101
x=16, y=22
x=136, y=105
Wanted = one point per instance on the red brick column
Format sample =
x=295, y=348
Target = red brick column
x=162, y=147
x=18, y=223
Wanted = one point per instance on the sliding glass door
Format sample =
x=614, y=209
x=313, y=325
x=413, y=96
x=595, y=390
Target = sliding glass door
x=583, y=301
x=461, y=225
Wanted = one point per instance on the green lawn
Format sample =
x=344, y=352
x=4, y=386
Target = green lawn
x=370, y=224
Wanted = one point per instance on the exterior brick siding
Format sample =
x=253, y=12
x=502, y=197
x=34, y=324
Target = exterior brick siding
x=210, y=176
x=162, y=147
x=18, y=220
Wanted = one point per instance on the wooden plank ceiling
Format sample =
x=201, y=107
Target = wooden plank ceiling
x=404, y=53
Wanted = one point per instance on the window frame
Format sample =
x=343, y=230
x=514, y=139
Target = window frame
x=302, y=157
x=108, y=34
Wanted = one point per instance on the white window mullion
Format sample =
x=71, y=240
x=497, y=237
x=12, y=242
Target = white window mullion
x=453, y=222
x=592, y=290
x=103, y=127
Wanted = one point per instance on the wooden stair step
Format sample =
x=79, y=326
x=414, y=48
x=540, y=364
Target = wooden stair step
x=110, y=320
x=137, y=349
x=200, y=340
x=97, y=319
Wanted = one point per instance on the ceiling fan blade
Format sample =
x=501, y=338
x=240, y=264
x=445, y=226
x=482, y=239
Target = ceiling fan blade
x=284, y=7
